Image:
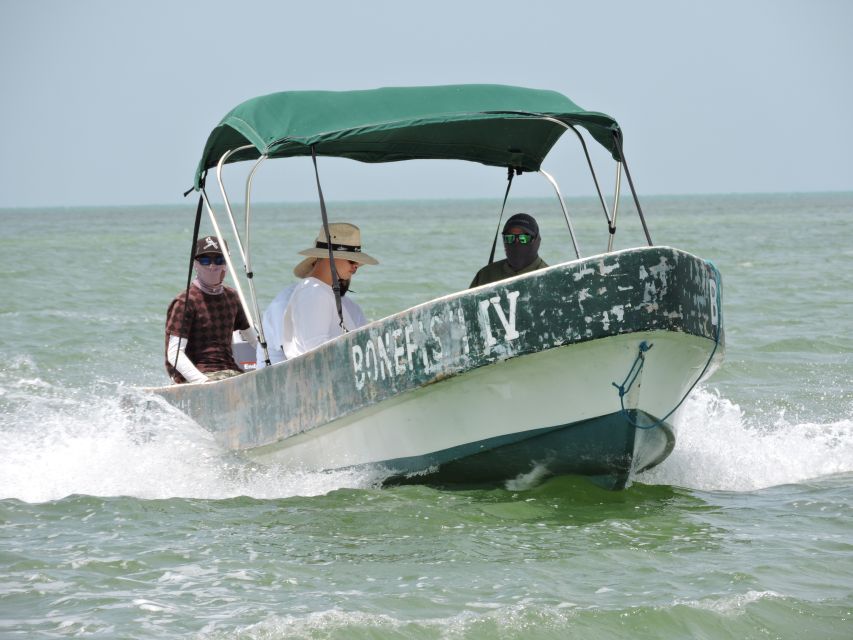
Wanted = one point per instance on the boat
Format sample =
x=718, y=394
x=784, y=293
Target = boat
x=578, y=368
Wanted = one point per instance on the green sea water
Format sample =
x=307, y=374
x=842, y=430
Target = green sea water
x=117, y=523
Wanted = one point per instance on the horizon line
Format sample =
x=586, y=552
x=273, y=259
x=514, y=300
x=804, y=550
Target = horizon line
x=626, y=197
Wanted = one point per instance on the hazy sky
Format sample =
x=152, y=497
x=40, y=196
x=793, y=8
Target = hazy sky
x=111, y=102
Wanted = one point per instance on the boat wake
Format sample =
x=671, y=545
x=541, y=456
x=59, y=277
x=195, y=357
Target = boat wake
x=56, y=442
x=721, y=447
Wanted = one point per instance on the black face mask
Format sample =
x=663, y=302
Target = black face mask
x=344, y=284
x=520, y=255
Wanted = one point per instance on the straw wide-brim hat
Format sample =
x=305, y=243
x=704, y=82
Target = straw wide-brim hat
x=346, y=244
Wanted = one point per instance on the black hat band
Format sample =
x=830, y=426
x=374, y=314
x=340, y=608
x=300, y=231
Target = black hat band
x=340, y=247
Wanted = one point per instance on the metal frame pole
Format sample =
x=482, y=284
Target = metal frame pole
x=565, y=212
x=228, y=260
x=250, y=276
x=615, y=207
x=618, y=139
x=588, y=161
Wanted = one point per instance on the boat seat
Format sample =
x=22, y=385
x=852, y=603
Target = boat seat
x=244, y=353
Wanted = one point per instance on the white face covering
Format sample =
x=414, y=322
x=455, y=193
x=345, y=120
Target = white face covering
x=209, y=279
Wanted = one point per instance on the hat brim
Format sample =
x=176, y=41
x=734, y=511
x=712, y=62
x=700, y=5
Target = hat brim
x=302, y=269
x=523, y=226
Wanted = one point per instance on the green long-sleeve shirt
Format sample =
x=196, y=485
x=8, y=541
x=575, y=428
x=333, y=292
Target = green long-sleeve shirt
x=501, y=270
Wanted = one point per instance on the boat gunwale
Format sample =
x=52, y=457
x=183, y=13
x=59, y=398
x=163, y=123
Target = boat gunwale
x=443, y=299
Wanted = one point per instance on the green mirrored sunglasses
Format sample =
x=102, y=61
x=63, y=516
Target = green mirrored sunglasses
x=521, y=238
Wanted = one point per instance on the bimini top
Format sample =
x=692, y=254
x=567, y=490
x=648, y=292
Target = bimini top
x=491, y=124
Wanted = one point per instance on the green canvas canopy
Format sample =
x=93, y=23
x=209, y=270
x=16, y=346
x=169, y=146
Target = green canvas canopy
x=491, y=124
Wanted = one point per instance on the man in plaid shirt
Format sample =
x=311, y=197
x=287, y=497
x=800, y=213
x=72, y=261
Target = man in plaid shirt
x=200, y=324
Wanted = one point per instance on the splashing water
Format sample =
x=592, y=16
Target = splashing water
x=59, y=442
x=718, y=447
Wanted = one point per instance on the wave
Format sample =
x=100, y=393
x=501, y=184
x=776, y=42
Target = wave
x=529, y=618
x=837, y=346
x=58, y=442
x=721, y=447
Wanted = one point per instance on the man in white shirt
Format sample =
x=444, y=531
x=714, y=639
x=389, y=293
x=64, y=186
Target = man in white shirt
x=272, y=328
x=311, y=316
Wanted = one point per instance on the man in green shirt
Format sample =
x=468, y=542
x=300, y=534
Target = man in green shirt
x=521, y=242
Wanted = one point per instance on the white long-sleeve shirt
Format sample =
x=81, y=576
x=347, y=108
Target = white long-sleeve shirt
x=272, y=327
x=311, y=317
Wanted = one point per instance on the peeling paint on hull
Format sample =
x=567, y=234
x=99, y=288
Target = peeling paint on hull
x=522, y=368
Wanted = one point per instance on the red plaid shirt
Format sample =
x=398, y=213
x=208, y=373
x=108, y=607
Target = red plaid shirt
x=210, y=322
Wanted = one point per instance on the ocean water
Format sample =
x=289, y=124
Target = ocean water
x=121, y=523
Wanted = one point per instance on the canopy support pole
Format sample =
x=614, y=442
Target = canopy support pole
x=196, y=227
x=618, y=139
x=565, y=211
x=228, y=210
x=612, y=227
x=588, y=162
x=228, y=260
x=259, y=330
x=249, y=272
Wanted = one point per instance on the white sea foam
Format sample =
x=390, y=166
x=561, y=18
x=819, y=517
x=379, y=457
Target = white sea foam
x=54, y=444
x=720, y=448
x=527, y=480
x=730, y=604
x=516, y=620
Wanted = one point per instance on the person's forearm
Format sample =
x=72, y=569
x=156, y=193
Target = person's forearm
x=179, y=360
